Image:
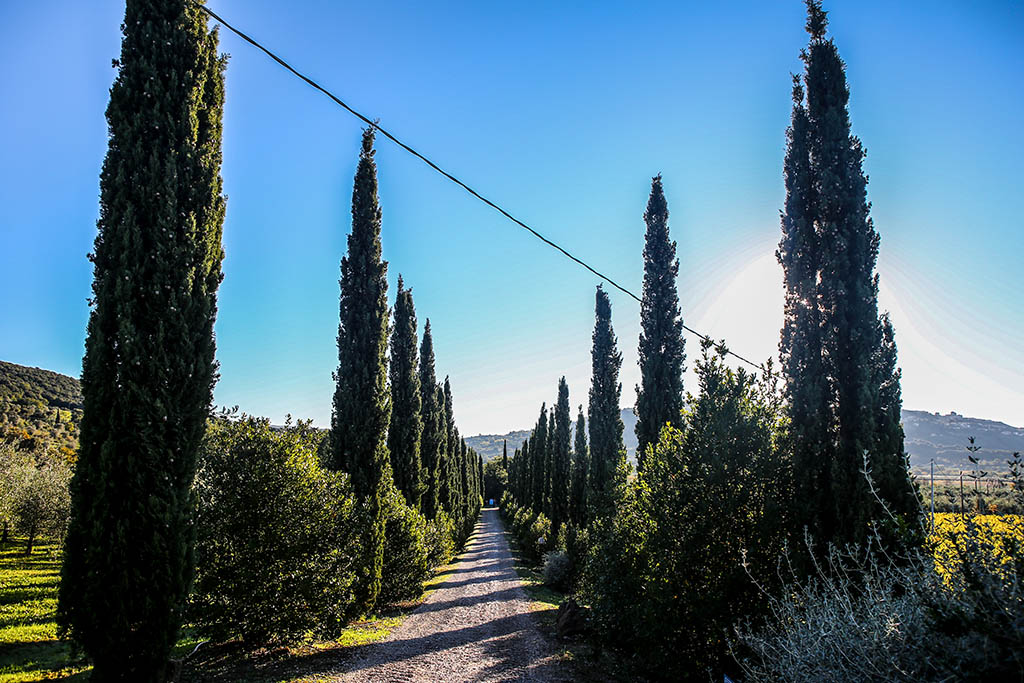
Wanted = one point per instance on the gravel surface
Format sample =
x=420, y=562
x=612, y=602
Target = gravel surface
x=476, y=626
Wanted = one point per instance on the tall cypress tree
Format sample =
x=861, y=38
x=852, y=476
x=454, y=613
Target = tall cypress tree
x=362, y=406
x=659, y=397
x=858, y=375
x=432, y=439
x=580, y=466
x=480, y=473
x=800, y=345
x=504, y=454
x=465, y=477
x=606, y=446
x=549, y=465
x=525, y=495
x=406, y=404
x=890, y=464
x=450, y=457
x=538, y=467
x=562, y=458
x=148, y=371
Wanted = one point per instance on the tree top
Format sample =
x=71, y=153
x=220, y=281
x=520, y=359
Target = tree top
x=817, y=20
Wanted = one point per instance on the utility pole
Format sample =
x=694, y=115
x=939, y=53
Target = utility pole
x=932, y=478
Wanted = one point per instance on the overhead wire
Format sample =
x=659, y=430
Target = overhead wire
x=376, y=125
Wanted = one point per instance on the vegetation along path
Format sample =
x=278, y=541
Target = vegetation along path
x=476, y=626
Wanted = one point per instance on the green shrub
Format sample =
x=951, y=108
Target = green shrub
x=577, y=542
x=440, y=540
x=276, y=535
x=556, y=570
x=406, y=553
x=868, y=616
x=666, y=575
x=522, y=519
x=507, y=501
x=537, y=539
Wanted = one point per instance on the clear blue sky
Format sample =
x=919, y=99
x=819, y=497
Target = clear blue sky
x=562, y=112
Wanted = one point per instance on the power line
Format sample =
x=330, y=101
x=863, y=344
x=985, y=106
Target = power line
x=446, y=174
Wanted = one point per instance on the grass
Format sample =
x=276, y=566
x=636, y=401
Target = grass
x=29, y=649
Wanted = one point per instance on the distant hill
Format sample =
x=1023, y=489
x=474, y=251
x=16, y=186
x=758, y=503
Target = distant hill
x=928, y=436
x=488, y=446
x=39, y=407
x=944, y=438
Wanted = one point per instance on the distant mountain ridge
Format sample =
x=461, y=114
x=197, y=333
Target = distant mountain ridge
x=47, y=405
x=929, y=436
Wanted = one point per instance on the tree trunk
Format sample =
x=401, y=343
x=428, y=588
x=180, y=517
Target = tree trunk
x=4, y=537
x=31, y=541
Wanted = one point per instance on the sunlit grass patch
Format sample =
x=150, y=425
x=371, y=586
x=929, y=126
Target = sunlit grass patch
x=29, y=649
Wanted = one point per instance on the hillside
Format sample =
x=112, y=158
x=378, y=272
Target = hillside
x=39, y=407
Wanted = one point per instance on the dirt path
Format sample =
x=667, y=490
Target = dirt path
x=476, y=626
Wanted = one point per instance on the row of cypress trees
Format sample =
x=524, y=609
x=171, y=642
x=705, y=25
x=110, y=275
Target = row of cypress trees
x=730, y=476
x=842, y=385
x=571, y=483
x=400, y=431
x=149, y=368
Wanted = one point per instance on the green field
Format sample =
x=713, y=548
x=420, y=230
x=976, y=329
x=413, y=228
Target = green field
x=29, y=649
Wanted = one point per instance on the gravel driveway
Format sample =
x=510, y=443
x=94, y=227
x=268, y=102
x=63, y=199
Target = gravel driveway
x=476, y=626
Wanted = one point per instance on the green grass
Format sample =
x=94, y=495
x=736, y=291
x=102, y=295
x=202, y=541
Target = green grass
x=29, y=649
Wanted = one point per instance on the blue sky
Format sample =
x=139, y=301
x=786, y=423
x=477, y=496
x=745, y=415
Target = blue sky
x=561, y=112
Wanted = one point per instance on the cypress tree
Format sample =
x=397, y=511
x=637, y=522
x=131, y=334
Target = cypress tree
x=480, y=473
x=858, y=373
x=525, y=496
x=513, y=472
x=450, y=455
x=659, y=398
x=466, y=473
x=890, y=464
x=606, y=447
x=362, y=406
x=562, y=458
x=149, y=370
x=406, y=405
x=847, y=289
x=504, y=454
x=433, y=441
x=549, y=466
x=580, y=465
x=538, y=453
x=800, y=345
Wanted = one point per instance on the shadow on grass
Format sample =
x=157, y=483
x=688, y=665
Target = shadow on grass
x=42, y=660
